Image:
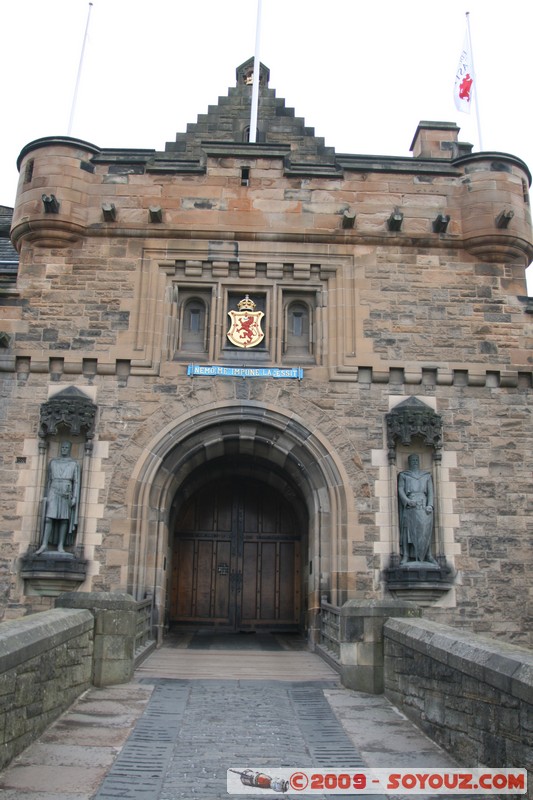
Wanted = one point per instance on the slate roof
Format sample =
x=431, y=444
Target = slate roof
x=9, y=258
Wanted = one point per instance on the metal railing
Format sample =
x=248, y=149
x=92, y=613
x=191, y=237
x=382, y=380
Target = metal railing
x=143, y=632
x=330, y=625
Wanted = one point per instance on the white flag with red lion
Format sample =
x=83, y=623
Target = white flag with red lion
x=464, y=79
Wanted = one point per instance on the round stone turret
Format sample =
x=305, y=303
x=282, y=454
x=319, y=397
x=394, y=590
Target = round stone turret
x=56, y=175
x=495, y=207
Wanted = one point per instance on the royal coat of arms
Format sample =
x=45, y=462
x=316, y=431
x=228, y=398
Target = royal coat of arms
x=245, y=329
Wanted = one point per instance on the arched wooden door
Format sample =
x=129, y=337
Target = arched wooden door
x=236, y=559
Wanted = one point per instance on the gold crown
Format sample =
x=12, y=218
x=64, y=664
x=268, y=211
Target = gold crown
x=246, y=304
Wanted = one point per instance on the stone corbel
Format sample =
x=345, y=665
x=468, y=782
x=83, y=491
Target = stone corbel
x=504, y=218
x=440, y=223
x=50, y=203
x=394, y=222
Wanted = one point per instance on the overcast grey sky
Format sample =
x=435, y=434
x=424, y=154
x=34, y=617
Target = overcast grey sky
x=362, y=74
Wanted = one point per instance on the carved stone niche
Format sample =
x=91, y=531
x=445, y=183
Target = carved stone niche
x=68, y=415
x=413, y=426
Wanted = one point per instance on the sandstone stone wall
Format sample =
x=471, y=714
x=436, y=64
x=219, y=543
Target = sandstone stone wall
x=485, y=505
x=429, y=326
x=395, y=312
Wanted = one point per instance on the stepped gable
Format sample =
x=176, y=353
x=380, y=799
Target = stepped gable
x=279, y=130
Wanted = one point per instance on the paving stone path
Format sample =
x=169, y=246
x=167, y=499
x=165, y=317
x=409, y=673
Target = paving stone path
x=193, y=731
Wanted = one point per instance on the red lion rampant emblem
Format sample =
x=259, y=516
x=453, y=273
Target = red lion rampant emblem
x=465, y=86
x=245, y=330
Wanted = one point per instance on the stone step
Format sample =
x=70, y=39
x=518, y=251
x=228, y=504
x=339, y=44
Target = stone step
x=235, y=665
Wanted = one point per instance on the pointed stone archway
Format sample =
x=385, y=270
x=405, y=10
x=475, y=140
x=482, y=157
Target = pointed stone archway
x=267, y=444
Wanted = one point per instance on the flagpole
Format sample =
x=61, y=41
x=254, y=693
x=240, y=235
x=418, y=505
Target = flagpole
x=255, y=83
x=475, y=80
x=78, y=77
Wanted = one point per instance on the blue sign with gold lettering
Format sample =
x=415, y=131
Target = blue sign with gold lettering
x=213, y=371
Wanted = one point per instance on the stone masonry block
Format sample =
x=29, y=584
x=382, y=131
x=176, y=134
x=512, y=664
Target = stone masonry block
x=352, y=629
x=112, y=672
x=113, y=648
x=7, y=683
x=362, y=679
x=115, y=622
x=370, y=653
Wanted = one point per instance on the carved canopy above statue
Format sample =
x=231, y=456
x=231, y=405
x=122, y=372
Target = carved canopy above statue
x=68, y=411
x=411, y=419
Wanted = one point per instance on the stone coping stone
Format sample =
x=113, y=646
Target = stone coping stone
x=31, y=636
x=379, y=608
x=108, y=601
x=504, y=666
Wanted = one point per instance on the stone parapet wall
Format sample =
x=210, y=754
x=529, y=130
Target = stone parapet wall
x=94, y=189
x=115, y=628
x=48, y=659
x=351, y=639
x=45, y=664
x=470, y=694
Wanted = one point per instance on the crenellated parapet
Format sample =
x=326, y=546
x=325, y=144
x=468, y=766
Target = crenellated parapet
x=445, y=194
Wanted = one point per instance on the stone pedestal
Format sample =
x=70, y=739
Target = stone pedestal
x=115, y=618
x=419, y=582
x=361, y=641
x=51, y=573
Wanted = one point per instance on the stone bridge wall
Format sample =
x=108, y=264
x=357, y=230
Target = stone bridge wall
x=48, y=659
x=45, y=664
x=470, y=694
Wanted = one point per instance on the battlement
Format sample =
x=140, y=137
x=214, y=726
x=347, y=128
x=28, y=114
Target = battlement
x=71, y=189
